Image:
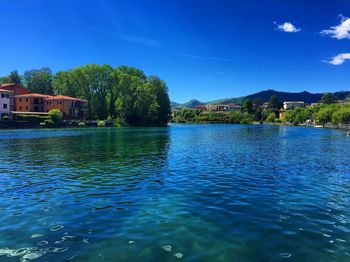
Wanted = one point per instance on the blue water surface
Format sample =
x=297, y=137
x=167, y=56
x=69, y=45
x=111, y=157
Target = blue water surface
x=185, y=192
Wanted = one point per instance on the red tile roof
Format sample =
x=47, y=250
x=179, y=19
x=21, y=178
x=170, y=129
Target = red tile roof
x=60, y=97
x=7, y=91
x=33, y=95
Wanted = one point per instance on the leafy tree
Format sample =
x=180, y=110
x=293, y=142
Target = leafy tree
x=39, y=81
x=258, y=101
x=161, y=91
x=324, y=116
x=271, y=117
x=14, y=77
x=341, y=116
x=4, y=80
x=123, y=93
x=247, y=106
x=328, y=98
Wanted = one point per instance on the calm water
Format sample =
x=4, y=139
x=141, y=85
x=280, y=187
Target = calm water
x=203, y=192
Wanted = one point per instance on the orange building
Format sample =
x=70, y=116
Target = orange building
x=22, y=101
x=30, y=103
x=70, y=106
x=16, y=89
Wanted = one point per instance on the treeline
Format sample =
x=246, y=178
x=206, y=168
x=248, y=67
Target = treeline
x=328, y=111
x=187, y=115
x=124, y=94
x=335, y=114
x=251, y=111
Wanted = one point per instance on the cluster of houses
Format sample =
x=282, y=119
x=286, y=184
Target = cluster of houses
x=16, y=100
x=222, y=107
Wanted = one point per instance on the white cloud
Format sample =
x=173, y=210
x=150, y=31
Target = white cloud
x=287, y=27
x=339, y=59
x=341, y=31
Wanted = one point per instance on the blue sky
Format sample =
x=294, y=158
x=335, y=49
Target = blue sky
x=202, y=49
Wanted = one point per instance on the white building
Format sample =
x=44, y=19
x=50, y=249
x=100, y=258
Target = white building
x=5, y=102
x=293, y=104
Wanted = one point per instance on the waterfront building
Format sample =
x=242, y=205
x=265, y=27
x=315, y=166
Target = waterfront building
x=17, y=100
x=16, y=90
x=30, y=102
x=5, y=102
x=70, y=106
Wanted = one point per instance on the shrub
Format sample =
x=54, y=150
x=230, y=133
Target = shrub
x=33, y=118
x=101, y=123
x=49, y=123
x=56, y=115
x=271, y=118
x=81, y=124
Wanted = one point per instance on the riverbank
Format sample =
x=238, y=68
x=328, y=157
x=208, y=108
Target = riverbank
x=15, y=124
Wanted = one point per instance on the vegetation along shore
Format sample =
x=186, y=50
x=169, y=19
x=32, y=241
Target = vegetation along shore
x=122, y=95
x=328, y=112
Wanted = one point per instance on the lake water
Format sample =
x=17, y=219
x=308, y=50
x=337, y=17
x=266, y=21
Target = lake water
x=182, y=193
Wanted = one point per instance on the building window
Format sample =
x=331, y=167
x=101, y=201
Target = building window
x=20, y=108
x=2, y=95
x=20, y=100
x=8, y=95
x=26, y=108
x=26, y=99
x=5, y=106
x=36, y=101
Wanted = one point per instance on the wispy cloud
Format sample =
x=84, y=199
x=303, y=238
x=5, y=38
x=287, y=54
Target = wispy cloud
x=140, y=40
x=341, y=31
x=136, y=39
x=339, y=59
x=287, y=27
x=212, y=58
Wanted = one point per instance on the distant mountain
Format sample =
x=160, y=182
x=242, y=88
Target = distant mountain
x=193, y=103
x=265, y=95
x=286, y=96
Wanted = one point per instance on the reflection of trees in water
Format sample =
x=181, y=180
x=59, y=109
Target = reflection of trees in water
x=109, y=150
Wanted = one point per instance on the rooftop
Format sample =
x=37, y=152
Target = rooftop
x=60, y=97
x=5, y=91
x=290, y=102
x=33, y=95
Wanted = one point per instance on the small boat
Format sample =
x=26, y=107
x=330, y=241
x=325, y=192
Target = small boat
x=348, y=133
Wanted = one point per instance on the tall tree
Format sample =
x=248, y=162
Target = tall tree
x=39, y=80
x=247, y=106
x=14, y=77
x=328, y=98
x=161, y=92
x=274, y=102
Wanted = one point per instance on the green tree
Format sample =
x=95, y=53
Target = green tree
x=324, y=116
x=15, y=78
x=247, y=106
x=328, y=98
x=39, y=81
x=271, y=117
x=161, y=92
x=274, y=102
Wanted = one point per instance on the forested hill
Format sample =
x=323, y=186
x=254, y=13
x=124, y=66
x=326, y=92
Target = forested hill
x=265, y=96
